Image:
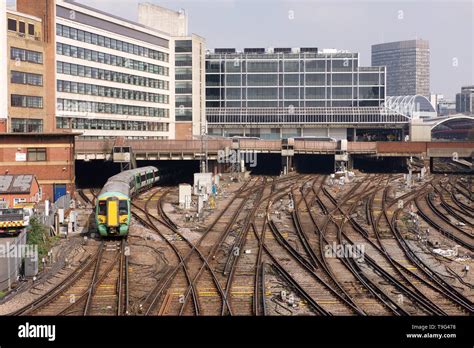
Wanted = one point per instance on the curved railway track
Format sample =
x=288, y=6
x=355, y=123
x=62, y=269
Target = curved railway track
x=423, y=291
x=98, y=287
x=214, y=239
x=382, y=263
x=428, y=211
x=224, y=268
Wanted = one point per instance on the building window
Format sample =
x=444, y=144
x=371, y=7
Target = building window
x=100, y=74
x=26, y=78
x=11, y=24
x=184, y=101
x=31, y=29
x=18, y=77
x=100, y=124
x=108, y=108
x=183, y=114
x=184, y=74
x=21, y=27
x=18, y=201
x=26, y=56
x=105, y=58
x=26, y=101
x=183, y=60
x=36, y=154
x=23, y=125
x=100, y=40
x=183, y=46
x=111, y=92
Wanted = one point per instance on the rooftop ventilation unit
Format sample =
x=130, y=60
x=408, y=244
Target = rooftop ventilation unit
x=224, y=50
x=254, y=50
x=282, y=50
x=309, y=49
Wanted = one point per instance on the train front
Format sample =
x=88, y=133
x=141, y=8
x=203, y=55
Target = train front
x=113, y=211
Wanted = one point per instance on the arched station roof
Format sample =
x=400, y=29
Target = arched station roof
x=457, y=127
x=410, y=104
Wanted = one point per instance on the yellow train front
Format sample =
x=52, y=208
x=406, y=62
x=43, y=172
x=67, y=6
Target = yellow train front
x=113, y=215
x=113, y=202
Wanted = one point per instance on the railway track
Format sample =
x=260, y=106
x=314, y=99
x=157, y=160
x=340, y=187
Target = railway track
x=98, y=287
x=224, y=268
x=435, y=300
x=370, y=281
x=405, y=282
x=86, y=199
x=448, y=204
x=311, y=237
x=428, y=211
x=260, y=227
x=448, y=290
x=427, y=281
x=181, y=247
x=197, y=258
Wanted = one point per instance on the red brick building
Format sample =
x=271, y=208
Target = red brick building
x=18, y=190
x=48, y=156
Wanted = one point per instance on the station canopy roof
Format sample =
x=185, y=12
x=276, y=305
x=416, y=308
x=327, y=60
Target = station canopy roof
x=413, y=106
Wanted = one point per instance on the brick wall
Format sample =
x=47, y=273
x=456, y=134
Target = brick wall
x=46, y=10
x=184, y=131
x=57, y=169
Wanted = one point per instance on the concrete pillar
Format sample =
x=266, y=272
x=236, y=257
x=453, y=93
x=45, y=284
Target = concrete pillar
x=350, y=162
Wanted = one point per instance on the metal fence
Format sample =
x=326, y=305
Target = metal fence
x=10, y=259
x=305, y=115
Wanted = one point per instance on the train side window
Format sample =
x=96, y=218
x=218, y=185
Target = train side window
x=102, y=207
x=123, y=208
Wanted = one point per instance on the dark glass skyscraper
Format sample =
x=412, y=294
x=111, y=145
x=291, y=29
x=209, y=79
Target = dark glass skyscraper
x=408, y=66
x=465, y=100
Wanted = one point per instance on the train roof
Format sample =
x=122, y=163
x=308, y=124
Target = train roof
x=125, y=176
x=120, y=182
x=115, y=186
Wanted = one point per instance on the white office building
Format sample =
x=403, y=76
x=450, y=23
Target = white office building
x=114, y=77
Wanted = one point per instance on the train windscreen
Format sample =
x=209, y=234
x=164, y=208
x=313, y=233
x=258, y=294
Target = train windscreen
x=123, y=208
x=102, y=207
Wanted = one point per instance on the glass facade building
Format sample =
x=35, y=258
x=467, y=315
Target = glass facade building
x=256, y=78
x=465, y=100
x=408, y=66
x=282, y=92
x=184, y=80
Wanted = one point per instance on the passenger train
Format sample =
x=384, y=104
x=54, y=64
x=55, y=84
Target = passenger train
x=113, y=202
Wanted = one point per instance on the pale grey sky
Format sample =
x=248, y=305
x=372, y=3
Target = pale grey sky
x=346, y=24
